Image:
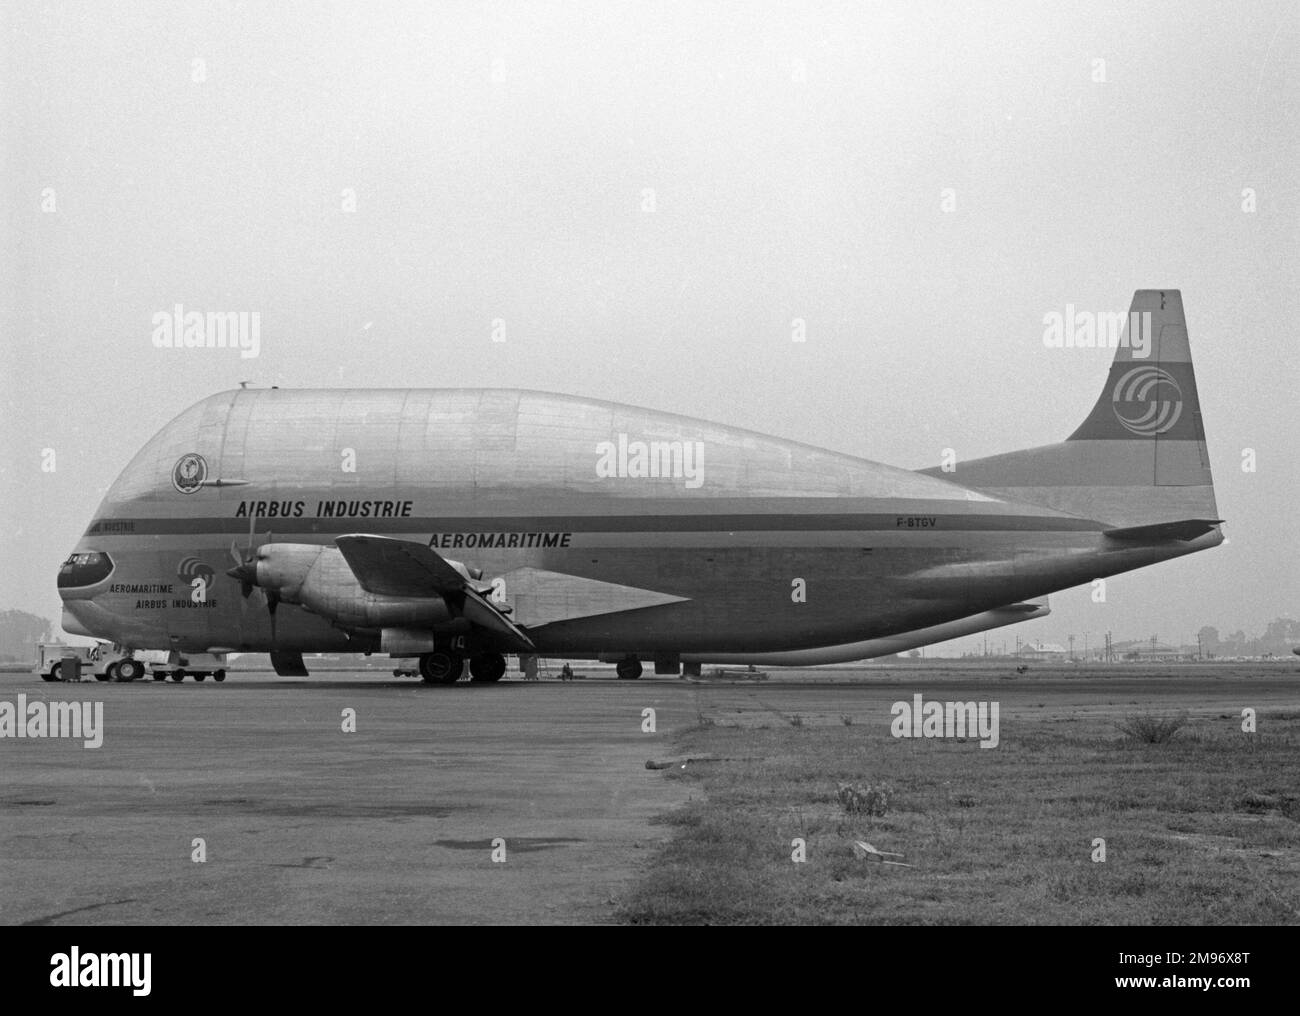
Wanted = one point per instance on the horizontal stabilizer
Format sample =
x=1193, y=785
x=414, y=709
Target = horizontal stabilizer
x=1184, y=529
x=1029, y=607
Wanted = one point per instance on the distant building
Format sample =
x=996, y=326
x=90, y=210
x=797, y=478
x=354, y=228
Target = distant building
x=1146, y=651
x=1042, y=651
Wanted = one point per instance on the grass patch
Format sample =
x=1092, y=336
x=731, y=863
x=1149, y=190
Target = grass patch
x=865, y=798
x=1199, y=829
x=1151, y=729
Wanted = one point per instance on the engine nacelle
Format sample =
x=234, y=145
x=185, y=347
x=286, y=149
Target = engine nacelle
x=284, y=567
x=406, y=641
x=319, y=578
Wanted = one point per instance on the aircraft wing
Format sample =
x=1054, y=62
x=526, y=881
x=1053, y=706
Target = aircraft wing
x=389, y=567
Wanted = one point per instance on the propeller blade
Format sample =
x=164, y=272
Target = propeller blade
x=245, y=569
x=272, y=601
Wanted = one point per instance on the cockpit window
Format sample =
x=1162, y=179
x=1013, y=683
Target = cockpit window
x=84, y=569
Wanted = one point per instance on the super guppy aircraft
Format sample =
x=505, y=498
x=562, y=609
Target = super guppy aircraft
x=457, y=524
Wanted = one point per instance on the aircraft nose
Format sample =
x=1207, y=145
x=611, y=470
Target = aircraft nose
x=81, y=572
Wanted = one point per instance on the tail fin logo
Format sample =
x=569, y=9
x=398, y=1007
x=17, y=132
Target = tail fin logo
x=1142, y=406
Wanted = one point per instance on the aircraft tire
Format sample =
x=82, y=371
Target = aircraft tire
x=487, y=667
x=628, y=669
x=439, y=667
x=129, y=670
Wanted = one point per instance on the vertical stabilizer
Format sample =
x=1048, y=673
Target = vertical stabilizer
x=1139, y=457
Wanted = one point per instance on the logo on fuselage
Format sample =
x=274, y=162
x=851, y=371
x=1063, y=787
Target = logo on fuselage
x=189, y=473
x=1142, y=405
x=192, y=568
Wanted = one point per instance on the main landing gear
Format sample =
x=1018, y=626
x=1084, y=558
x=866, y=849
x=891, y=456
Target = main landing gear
x=487, y=667
x=628, y=668
x=441, y=667
x=444, y=666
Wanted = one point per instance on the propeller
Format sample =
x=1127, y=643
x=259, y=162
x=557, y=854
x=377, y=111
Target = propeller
x=272, y=602
x=245, y=571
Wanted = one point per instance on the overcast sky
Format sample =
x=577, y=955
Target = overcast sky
x=648, y=196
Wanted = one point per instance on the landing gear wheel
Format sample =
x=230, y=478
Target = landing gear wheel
x=110, y=673
x=200, y=676
x=439, y=667
x=178, y=675
x=56, y=673
x=487, y=667
x=129, y=670
x=628, y=669
x=218, y=676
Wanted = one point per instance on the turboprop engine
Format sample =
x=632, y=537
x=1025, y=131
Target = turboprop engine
x=319, y=579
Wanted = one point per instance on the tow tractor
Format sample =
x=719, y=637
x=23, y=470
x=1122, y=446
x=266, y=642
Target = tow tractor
x=103, y=661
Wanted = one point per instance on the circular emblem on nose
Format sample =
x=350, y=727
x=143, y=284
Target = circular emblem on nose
x=189, y=473
x=1147, y=401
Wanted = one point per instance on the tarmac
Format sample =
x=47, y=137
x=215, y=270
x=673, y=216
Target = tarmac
x=303, y=823
x=513, y=803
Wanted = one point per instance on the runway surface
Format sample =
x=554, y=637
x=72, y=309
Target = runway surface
x=304, y=823
x=395, y=823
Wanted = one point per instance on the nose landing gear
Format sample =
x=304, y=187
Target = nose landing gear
x=129, y=670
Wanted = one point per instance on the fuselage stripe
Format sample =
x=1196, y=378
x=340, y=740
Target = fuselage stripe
x=597, y=524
